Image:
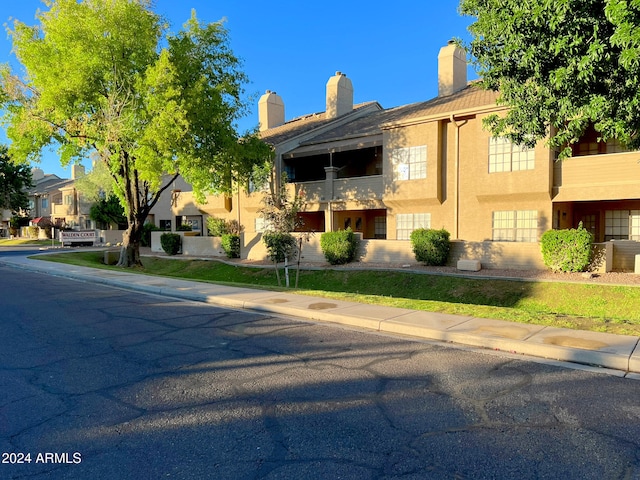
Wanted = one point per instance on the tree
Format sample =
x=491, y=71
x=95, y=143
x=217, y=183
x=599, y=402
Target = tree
x=104, y=76
x=107, y=211
x=559, y=66
x=280, y=215
x=14, y=182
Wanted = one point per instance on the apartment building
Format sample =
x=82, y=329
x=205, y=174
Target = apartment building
x=385, y=172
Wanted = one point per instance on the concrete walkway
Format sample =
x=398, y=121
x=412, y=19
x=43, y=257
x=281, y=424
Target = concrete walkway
x=617, y=352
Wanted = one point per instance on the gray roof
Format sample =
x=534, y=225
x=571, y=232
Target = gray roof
x=473, y=97
x=299, y=126
x=49, y=183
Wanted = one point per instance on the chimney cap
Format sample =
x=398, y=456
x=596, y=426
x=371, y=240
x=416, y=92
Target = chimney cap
x=340, y=74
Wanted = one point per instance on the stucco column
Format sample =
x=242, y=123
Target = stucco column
x=331, y=175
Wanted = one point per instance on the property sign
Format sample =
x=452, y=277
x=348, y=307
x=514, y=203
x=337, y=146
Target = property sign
x=84, y=237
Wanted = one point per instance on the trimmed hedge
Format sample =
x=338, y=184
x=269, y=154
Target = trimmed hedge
x=567, y=250
x=430, y=247
x=231, y=245
x=339, y=247
x=170, y=243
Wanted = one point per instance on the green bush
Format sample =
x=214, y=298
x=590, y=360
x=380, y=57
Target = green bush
x=279, y=245
x=147, y=228
x=339, y=247
x=217, y=227
x=184, y=228
x=34, y=231
x=567, y=250
x=430, y=247
x=231, y=245
x=170, y=243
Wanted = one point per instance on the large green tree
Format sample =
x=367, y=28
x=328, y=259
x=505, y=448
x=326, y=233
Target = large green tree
x=560, y=65
x=15, y=179
x=106, y=77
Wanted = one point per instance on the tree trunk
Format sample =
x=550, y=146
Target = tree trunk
x=131, y=240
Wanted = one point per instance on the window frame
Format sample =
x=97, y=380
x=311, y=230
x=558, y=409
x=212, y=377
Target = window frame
x=514, y=226
x=515, y=158
x=408, y=222
x=409, y=163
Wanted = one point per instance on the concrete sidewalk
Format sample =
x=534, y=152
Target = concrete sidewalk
x=616, y=352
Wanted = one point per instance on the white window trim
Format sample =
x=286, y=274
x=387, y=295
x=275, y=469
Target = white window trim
x=408, y=222
x=514, y=226
x=514, y=157
x=409, y=163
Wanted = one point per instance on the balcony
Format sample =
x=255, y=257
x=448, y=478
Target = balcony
x=357, y=189
x=613, y=176
x=60, y=210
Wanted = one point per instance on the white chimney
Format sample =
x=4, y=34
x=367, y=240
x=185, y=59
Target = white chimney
x=270, y=110
x=339, y=96
x=37, y=174
x=77, y=171
x=452, y=69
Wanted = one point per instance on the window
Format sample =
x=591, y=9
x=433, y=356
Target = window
x=634, y=225
x=68, y=199
x=165, y=225
x=622, y=225
x=260, y=224
x=409, y=163
x=408, y=222
x=515, y=226
x=45, y=202
x=380, y=227
x=505, y=156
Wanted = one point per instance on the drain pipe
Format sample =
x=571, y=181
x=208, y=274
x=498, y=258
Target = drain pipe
x=456, y=189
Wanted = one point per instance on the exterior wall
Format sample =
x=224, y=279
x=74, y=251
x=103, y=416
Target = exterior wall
x=459, y=192
x=415, y=196
x=482, y=193
x=241, y=207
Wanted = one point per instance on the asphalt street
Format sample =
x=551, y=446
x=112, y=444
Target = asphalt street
x=104, y=383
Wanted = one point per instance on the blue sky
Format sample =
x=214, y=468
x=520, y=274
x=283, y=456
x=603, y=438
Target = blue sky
x=388, y=49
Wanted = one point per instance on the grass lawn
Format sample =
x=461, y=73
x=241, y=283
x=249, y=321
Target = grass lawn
x=12, y=242
x=601, y=308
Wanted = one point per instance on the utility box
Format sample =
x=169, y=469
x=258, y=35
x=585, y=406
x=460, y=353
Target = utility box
x=469, y=265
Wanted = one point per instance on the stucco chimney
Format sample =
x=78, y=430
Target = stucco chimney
x=77, y=171
x=270, y=110
x=339, y=95
x=452, y=69
x=37, y=174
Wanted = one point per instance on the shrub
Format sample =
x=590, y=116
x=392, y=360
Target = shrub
x=339, y=247
x=170, y=243
x=430, y=246
x=34, y=231
x=184, y=228
x=231, y=245
x=217, y=227
x=567, y=250
x=147, y=228
x=279, y=245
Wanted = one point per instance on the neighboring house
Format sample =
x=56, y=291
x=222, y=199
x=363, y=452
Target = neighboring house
x=58, y=201
x=384, y=173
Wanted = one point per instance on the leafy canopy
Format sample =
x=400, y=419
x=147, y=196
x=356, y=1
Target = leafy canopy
x=560, y=65
x=104, y=77
x=14, y=182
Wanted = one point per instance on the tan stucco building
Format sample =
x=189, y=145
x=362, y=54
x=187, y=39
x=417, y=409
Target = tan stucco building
x=385, y=172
